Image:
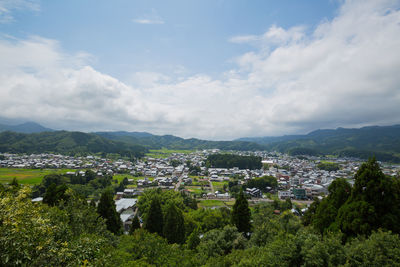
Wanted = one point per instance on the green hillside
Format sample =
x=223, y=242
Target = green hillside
x=173, y=142
x=66, y=143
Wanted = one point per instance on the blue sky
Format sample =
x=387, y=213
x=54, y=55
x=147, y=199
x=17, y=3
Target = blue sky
x=208, y=69
x=186, y=34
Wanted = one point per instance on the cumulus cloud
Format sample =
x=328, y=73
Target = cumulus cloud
x=343, y=73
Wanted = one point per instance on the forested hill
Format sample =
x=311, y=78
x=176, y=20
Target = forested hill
x=173, y=142
x=66, y=143
x=381, y=141
x=27, y=127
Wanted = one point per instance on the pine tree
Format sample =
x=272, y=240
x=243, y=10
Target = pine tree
x=154, y=219
x=193, y=240
x=106, y=208
x=135, y=224
x=174, y=227
x=241, y=214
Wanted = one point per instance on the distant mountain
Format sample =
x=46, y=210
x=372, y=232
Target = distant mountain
x=66, y=143
x=172, y=142
x=381, y=141
x=27, y=127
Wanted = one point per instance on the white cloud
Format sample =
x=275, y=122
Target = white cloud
x=152, y=18
x=149, y=21
x=7, y=7
x=345, y=73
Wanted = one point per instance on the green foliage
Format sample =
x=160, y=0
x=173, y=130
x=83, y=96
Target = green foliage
x=135, y=224
x=302, y=151
x=382, y=142
x=65, y=143
x=174, y=227
x=154, y=222
x=145, y=249
x=328, y=166
x=380, y=249
x=241, y=214
x=182, y=200
x=32, y=234
x=221, y=242
x=327, y=210
x=175, y=162
x=54, y=194
x=176, y=143
x=106, y=209
x=193, y=240
x=231, y=160
x=374, y=202
x=208, y=219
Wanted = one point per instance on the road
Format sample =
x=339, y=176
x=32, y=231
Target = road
x=178, y=184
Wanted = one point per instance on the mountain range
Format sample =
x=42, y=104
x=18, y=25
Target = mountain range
x=27, y=127
x=381, y=141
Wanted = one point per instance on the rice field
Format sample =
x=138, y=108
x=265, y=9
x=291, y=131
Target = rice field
x=27, y=176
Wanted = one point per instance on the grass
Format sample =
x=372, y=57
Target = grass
x=196, y=189
x=218, y=186
x=208, y=203
x=28, y=176
x=165, y=153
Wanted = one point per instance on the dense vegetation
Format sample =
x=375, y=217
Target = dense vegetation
x=328, y=166
x=383, y=142
x=86, y=185
x=231, y=160
x=65, y=143
x=372, y=203
x=353, y=226
x=173, y=142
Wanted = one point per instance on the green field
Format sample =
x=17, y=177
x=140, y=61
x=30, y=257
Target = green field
x=208, y=203
x=27, y=176
x=218, y=186
x=165, y=153
x=196, y=189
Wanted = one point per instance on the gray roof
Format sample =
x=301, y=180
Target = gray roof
x=125, y=203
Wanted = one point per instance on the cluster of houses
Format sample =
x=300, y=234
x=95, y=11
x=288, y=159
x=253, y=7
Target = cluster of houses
x=297, y=178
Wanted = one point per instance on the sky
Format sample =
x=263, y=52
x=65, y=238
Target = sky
x=210, y=69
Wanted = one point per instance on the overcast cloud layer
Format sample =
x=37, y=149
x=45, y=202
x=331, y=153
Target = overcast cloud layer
x=345, y=72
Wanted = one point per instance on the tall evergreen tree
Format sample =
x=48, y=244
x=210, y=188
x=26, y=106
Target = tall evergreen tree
x=373, y=203
x=54, y=194
x=174, y=227
x=154, y=220
x=135, y=224
x=193, y=240
x=106, y=208
x=241, y=214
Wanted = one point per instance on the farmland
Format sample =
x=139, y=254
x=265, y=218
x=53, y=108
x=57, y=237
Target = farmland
x=27, y=176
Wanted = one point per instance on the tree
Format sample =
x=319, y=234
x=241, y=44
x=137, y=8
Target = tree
x=54, y=194
x=193, y=240
x=326, y=212
x=373, y=203
x=135, y=224
x=174, y=227
x=154, y=218
x=106, y=208
x=241, y=214
x=14, y=183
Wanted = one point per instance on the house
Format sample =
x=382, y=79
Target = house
x=126, y=209
x=284, y=194
x=253, y=192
